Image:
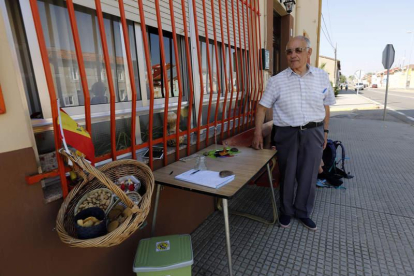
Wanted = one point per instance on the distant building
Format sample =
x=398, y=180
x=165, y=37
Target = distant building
x=399, y=77
x=328, y=64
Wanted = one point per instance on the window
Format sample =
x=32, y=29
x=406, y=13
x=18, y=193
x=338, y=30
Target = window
x=62, y=55
x=24, y=59
x=74, y=74
x=157, y=71
x=207, y=87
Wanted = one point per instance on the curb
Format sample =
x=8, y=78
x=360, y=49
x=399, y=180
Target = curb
x=354, y=108
x=397, y=114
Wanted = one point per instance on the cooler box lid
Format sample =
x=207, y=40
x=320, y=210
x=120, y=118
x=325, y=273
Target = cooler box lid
x=163, y=253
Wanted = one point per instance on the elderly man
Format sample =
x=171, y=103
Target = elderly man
x=300, y=97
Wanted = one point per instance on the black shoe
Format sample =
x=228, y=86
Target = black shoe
x=308, y=223
x=284, y=221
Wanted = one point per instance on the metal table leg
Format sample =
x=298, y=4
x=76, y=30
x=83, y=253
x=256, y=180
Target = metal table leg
x=253, y=217
x=154, y=216
x=275, y=214
x=227, y=228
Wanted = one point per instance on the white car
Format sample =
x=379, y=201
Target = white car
x=359, y=86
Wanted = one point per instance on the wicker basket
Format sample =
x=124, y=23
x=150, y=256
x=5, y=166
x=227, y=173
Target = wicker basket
x=104, y=177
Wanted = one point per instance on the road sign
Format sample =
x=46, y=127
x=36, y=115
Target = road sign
x=359, y=74
x=387, y=60
x=388, y=56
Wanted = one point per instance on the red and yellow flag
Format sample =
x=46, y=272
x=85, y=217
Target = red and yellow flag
x=76, y=136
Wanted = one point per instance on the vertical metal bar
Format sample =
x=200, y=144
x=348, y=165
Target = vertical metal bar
x=180, y=93
x=150, y=81
x=260, y=52
x=165, y=76
x=200, y=69
x=217, y=65
x=256, y=12
x=257, y=59
x=109, y=76
x=131, y=76
x=190, y=77
x=209, y=73
x=242, y=66
x=254, y=59
x=237, y=67
x=250, y=66
x=245, y=71
x=231, y=71
x=81, y=65
x=227, y=229
x=52, y=93
x=154, y=216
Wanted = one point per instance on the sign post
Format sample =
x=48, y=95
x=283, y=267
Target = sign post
x=358, y=75
x=387, y=60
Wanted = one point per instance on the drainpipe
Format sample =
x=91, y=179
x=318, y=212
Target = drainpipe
x=265, y=24
x=319, y=34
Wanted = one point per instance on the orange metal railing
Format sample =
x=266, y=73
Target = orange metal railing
x=2, y=104
x=247, y=61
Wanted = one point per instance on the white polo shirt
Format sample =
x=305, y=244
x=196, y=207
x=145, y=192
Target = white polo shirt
x=298, y=100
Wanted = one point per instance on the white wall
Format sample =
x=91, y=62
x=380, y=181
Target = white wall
x=15, y=128
x=306, y=21
x=329, y=67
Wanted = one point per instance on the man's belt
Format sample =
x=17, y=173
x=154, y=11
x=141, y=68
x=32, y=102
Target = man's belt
x=310, y=125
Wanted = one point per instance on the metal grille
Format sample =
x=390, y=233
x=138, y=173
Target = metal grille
x=246, y=83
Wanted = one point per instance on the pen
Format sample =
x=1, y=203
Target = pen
x=194, y=172
x=171, y=172
x=324, y=90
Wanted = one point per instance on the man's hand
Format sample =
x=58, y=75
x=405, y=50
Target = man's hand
x=257, y=142
x=326, y=140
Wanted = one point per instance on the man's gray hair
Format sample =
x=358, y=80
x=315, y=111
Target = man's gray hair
x=308, y=43
x=304, y=38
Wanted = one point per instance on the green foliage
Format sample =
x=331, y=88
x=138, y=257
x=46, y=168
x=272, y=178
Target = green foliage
x=342, y=79
x=335, y=89
x=322, y=66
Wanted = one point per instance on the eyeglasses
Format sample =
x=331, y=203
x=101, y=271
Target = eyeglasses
x=297, y=50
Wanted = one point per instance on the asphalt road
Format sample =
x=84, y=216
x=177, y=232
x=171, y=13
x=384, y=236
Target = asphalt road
x=400, y=100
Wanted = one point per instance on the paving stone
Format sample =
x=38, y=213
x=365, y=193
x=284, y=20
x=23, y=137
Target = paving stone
x=365, y=229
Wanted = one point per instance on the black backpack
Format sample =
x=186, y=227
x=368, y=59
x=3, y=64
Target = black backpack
x=331, y=165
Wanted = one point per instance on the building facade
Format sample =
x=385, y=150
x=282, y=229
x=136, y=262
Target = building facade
x=328, y=64
x=209, y=77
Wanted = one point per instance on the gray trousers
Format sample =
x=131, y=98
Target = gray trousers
x=299, y=154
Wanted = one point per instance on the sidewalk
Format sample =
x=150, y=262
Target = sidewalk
x=349, y=100
x=365, y=229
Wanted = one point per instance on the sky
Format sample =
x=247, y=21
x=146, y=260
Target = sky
x=362, y=28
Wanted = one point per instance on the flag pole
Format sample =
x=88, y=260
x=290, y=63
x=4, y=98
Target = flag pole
x=62, y=134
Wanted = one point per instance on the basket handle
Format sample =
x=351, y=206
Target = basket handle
x=86, y=166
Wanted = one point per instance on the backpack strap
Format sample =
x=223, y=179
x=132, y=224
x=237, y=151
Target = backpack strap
x=339, y=144
x=342, y=171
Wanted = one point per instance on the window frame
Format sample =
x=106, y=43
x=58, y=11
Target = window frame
x=99, y=112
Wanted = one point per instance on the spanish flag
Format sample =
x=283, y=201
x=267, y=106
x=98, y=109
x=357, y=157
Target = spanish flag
x=75, y=135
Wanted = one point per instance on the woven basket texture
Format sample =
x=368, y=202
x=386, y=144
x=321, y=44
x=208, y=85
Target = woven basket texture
x=104, y=177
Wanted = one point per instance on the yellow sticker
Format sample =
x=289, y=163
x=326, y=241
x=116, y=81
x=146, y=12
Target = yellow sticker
x=162, y=246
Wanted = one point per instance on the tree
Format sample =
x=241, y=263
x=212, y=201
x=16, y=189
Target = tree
x=351, y=77
x=342, y=79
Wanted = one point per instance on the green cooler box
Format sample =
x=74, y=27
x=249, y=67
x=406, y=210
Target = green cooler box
x=164, y=256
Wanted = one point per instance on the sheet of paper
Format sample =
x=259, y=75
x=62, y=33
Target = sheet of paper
x=210, y=179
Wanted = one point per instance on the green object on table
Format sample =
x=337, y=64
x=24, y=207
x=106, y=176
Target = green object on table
x=167, y=255
x=212, y=152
